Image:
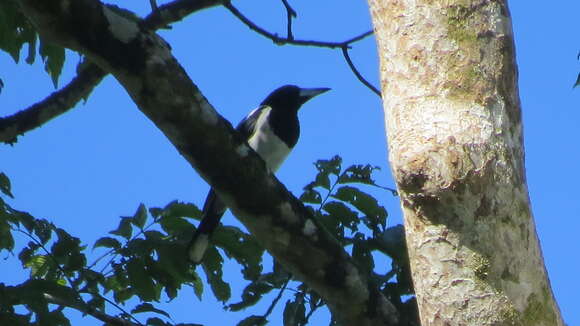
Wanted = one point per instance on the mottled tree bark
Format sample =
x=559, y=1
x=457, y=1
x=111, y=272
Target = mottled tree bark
x=453, y=117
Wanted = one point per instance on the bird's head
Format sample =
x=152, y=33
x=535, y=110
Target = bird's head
x=291, y=97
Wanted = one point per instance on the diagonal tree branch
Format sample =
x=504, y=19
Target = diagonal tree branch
x=89, y=76
x=142, y=62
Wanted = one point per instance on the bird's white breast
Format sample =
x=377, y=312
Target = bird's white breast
x=272, y=150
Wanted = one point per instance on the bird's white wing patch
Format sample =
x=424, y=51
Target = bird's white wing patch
x=263, y=140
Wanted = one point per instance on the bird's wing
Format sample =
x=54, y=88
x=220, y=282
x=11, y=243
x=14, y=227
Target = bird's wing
x=247, y=126
x=214, y=208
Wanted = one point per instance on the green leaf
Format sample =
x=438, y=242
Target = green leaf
x=140, y=217
x=367, y=204
x=147, y=307
x=156, y=322
x=212, y=266
x=175, y=226
x=311, y=196
x=242, y=247
x=4, y=181
x=178, y=209
x=124, y=229
x=39, y=265
x=251, y=295
x=15, y=30
x=107, y=242
x=6, y=239
x=140, y=280
x=358, y=174
x=43, y=230
x=332, y=166
x=197, y=286
x=294, y=311
x=253, y=321
x=342, y=213
x=53, y=57
x=577, y=81
x=362, y=255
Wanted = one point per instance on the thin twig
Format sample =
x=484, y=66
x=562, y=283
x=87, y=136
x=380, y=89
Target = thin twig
x=307, y=317
x=284, y=40
x=357, y=73
x=344, y=46
x=275, y=301
x=290, y=13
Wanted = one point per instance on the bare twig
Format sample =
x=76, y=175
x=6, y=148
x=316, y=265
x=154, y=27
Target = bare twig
x=153, y=4
x=275, y=301
x=344, y=46
x=107, y=319
x=357, y=73
x=290, y=13
x=284, y=40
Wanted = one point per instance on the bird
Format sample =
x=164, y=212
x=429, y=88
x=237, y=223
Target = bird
x=271, y=130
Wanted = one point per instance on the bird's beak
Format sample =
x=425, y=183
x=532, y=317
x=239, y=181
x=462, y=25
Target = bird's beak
x=308, y=93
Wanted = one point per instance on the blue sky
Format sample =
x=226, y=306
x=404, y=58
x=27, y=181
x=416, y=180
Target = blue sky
x=85, y=169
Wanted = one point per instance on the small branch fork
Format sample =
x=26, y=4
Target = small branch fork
x=289, y=39
x=90, y=75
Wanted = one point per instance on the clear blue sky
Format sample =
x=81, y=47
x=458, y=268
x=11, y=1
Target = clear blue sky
x=85, y=169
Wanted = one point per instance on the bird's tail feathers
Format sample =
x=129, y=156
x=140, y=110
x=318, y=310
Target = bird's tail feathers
x=213, y=210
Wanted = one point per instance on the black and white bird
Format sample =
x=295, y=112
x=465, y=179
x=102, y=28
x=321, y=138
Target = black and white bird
x=271, y=130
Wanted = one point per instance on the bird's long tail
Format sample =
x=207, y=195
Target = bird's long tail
x=213, y=210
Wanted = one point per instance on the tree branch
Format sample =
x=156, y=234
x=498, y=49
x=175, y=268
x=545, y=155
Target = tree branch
x=84, y=308
x=344, y=46
x=142, y=62
x=290, y=13
x=285, y=40
x=52, y=106
x=89, y=76
x=357, y=73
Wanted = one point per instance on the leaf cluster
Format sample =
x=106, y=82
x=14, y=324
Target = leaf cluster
x=143, y=260
x=17, y=31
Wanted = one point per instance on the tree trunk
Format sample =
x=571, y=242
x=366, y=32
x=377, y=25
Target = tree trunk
x=454, y=126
